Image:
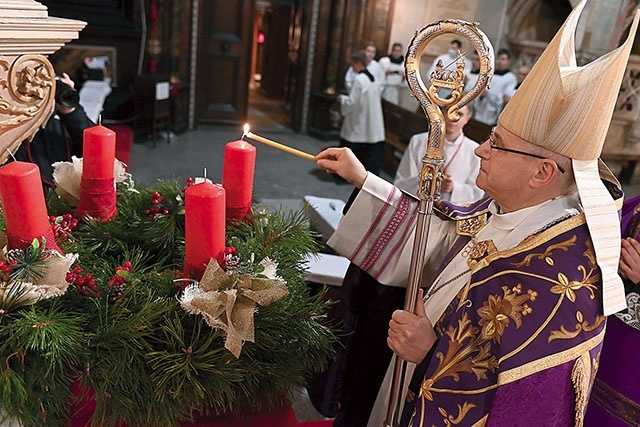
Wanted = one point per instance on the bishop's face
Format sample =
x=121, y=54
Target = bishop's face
x=505, y=167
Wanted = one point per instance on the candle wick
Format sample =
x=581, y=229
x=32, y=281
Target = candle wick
x=12, y=156
x=100, y=119
x=205, y=173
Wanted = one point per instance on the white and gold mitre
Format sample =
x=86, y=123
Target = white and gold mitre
x=567, y=109
x=563, y=107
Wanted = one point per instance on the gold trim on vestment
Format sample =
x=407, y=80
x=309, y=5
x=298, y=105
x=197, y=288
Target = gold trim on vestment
x=481, y=422
x=534, y=240
x=550, y=361
x=539, y=365
x=581, y=379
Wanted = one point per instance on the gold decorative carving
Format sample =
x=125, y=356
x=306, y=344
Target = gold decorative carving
x=27, y=88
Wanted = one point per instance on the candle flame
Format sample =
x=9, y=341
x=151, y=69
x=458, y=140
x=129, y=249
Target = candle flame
x=246, y=130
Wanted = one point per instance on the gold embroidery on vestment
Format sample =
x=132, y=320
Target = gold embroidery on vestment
x=471, y=226
x=546, y=255
x=580, y=327
x=497, y=310
x=463, y=411
x=466, y=352
x=581, y=379
x=549, y=361
x=517, y=373
x=534, y=241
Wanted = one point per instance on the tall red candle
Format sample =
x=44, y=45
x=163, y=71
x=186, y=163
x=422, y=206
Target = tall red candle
x=25, y=210
x=98, y=152
x=237, y=177
x=204, y=233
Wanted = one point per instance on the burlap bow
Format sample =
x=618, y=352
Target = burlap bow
x=228, y=302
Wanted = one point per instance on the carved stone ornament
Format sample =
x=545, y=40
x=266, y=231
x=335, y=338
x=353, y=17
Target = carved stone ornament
x=27, y=78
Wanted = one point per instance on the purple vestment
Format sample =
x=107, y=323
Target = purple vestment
x=519, y=345
x=615, y=400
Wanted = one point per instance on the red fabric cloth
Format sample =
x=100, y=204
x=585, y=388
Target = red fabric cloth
x=83, y=407
x=283, y=418
x=238, y=213
x=17, y=243
x=97, y=199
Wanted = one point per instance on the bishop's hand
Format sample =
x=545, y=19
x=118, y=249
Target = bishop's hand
x=343, y=162
x=411, y=335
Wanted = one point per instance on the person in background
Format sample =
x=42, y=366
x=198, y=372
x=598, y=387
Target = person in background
x=489, y=104
x=363, y=125
x=61, y=137
x=393, y=66
x=519, y=284
x=523, y=71
x=376, y=71
x=461, y=165
x=472, y=77
x=615, y=398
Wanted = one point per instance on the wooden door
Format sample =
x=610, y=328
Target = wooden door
x=275, y=63
x=224, y=60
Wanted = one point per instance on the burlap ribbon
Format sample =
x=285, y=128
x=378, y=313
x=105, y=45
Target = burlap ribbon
x=228, y=302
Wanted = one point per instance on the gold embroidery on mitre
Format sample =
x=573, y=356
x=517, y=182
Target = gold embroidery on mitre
x=581, y=379
x=471, y=226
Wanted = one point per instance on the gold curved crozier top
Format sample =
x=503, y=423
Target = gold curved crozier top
x=453, y=80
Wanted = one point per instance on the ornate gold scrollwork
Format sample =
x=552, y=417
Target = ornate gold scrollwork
x=27, y=88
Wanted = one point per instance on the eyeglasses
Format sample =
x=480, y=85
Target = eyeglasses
x=493, y=146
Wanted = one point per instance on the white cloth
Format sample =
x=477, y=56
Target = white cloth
x=505, y=230
x=471, y=80
x=362, y=111
x=92, y=96
x=461, y=164
x=487, y=109
x=394, y=81
x=373, y=67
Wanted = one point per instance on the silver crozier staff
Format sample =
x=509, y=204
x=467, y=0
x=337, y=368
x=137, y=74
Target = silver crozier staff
x=432, y=172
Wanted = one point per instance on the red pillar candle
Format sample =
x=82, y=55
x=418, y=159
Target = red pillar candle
x=98, y=153
x=97, y=188
x=25, y=210
x=237, y=177
x=204, y=233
